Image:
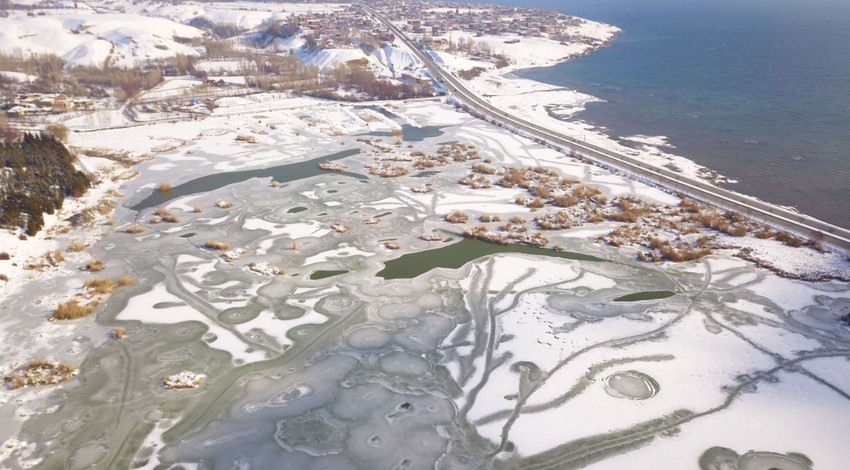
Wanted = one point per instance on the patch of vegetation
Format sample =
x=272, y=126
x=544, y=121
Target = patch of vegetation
x=40, y=372
x=94, y=266
x=216, y=245
x=36, y=174
x=456, y=217
x=72, y=310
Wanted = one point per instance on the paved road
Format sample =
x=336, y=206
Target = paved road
x=786, y=219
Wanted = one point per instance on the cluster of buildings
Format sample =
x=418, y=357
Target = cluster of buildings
x=44, y=103
x=430, y=22
x=434, y=19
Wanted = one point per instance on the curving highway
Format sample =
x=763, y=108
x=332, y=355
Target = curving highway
x=801, y=224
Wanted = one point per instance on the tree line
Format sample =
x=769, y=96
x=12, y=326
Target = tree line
x=36, y=174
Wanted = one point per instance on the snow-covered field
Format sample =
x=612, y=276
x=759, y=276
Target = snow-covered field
x=580, y=359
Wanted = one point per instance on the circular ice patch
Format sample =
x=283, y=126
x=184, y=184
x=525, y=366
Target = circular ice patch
x=404, y=364
x=631, y=384
x=369, y=338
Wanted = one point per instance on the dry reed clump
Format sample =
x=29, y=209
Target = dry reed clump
x=50, y=259
x=487, y=218
x=164, y=187
x=386, y=171
x=94, y=266
x=513, y=177
x=216, y=245
x=76, y=246
x=459, y=152
x=4, y=278
x=629, y=209
x=536, y=203
x=624, y=236
x=5, y=256
x=119, y=333
x=221, y=204
x=421, y=189
x=372, y=221
x=248, y=139
x=565, y=201
x=765, y=233
x=40, y=372
x=581, y=191
x=456, y=217
x=788, y=239
x=264, y=268
x=105, y=206
x=166, y=216
x=739, y=230
x=100, y=286
x=126, y=280
x=483, y=168
x=391, y=245
x=72, y=310
x=197, y=210
x=431, y=237
x=54, y=258
x=134, y=229
x=561, y=220
x=340, y=227
x=506, y=238
x=332, y=166
x=476, y=181
x=423, y=161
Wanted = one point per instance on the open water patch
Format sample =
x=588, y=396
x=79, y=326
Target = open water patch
x=456, y=255
x=648, y=295
x=324, y=274
x=281, y=173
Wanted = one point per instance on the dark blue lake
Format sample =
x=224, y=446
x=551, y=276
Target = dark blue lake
x=758, y=90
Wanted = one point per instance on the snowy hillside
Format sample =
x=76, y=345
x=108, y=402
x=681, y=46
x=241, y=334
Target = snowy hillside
x=87, y=38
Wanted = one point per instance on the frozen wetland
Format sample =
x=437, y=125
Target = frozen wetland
x=359, y=356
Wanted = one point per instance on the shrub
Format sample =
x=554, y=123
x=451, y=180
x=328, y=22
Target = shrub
x=5, y=256
x=134, y=229
x=126, y=280
x=739, y=231
x=76, y=246
x=565, y=201
x=392, y=245
x=536, y=203
x=216, y=245
x=119, y=332
x=59, y=131
x=166, y=216
x=456, y=217
x=40, y=372
x=765, y=233
x=788, y=239
x=72, y=310
x=100, y=286
x=164, y=187
x=94, y=266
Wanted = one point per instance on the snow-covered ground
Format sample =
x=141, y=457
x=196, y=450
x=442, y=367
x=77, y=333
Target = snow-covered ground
x=87, y=38
x=471, y=360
